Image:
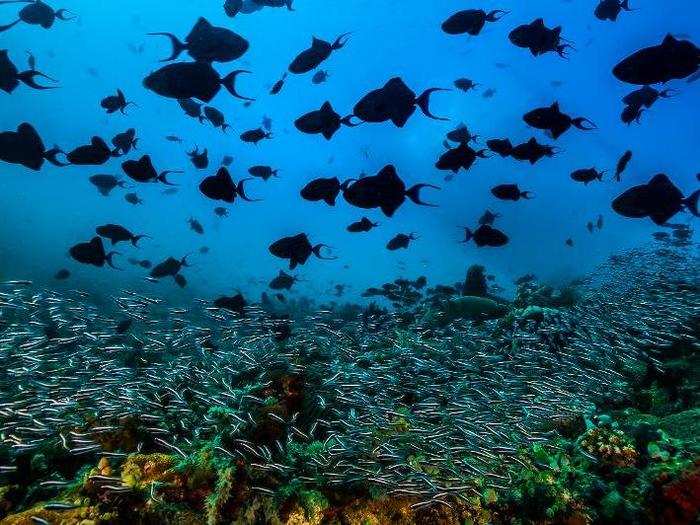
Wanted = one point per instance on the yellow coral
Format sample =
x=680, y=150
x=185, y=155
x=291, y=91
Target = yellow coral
x=140, y=470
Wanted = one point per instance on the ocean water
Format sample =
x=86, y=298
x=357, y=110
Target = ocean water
x=635, y=305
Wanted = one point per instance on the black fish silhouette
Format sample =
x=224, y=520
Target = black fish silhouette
x=92, y=252
x=538, y=38
x=199, y=80
x=221, y=187
x=142, y=170
x=25, y=147
x=297, y=249
x=470, y=21
x=324, y=121
x=312, y=57
x=36, y=13
x=10, y=76
x=672, y=59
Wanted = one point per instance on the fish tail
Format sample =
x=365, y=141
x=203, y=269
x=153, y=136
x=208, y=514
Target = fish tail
x=65, y=15
x=178, y=47
x=692, y=203
x=289, y=3
x=229, y=82
x=109, y=257
x=468, y=235
x=163, y=177
x=317, y=252
x=496, y=15
x=423, y=102
x=584, y=124
x=240, y=190
x=339, y=42
x=8, y=26
x=347, y=121
x=413, y=193
x=136, y=238
x=625, y=5
x=27, y=77
x=526, y=194
x=52, y=154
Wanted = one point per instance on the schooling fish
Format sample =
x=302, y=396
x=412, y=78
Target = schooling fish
x=659, y=199
x=117, y=233
x=553, y=120
x=221, y=187
x=313, y=56
x=123, y=142
x=277, y=86
x=531, y=151
x=400, y=241
x=37, y=13
x=199, y=80
x=488, y=217
x=384, y=190
x=195, y=226
x=323, y=189
x=461, y=135
x=672, y=59
x=502, y=147
x=25, y=147
x=363, y=225
x=10, y=76
x=133, y=198
x=509, y=192
x=486, y=235
x=208, y=43
x=320, y=77
x=470, y=21
x=191, y=108
x=142, y=170
x=92, y=252
x=394, y=101
x=114, y=103
x=283, y=281
x=324, y=121
x=622, y=164
x=200, y=160
x=538, y=38
x=646, y=96
x=297, y=249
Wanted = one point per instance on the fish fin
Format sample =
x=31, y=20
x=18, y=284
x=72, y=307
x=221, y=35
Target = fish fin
x=229, y=82
x=109, y=257
x=50, y=155
x=240, y=191
x=692, y=203
x=467, y=235
x=413, y=193
x=136, y=238
x=583, y=124
x=27, y=77
x=496, y=15
x=423, y=102
x=9, y=26
x=178, y=47
x=162, y=177
x=317, y=252
x=339, y=42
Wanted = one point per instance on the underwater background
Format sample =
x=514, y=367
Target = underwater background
x=554, y=379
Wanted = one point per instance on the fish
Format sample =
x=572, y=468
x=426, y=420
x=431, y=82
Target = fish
x=587, y=175
x=220, y=211
x=93, y=253
x=316, y=54
x=363, y=225
x=124, y=142
x=106, y=183
x=486, y=235
x=192, y=108
x=488, y=218
x=470, y=21
x=94, y=154
x=200, y=160
x=195, y=226
x=532, y=151
x=62, y=274
x=173, y=138
x=234, y=304
x=297, y=249
x=324, y=121
x=216, y=118
x=143, y=263
x=673, y=59
x=221, y=187
x=253, y=136
x=133, y=198
x=192, y=80
x=611, y=9
x=394, y=102
x=142, y=170
x=38, y=13
x=400, y=241
x=10, y=76
x=385, y=191
x=117, y=233
x=622, y=164
x=502, y=147
x=262, y=172
x=323, y=189
x=554, y=121
x=659, y=199
x=113, y=103
x=277, y=86
x=320, y=77
x=283, y=281
x=539, y=39
x=460, y=157
x=207, y=43
x=510, y=192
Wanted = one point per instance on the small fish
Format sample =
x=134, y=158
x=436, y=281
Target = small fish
x=622, y=164
x=254, y=136
x=400, y=241
x=133, y=198
x=195, y=225
x=62, y=275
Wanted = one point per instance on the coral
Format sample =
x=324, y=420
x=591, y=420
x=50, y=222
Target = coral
x=611, y=446
x=678, y=500
x=141, y=470
x=684, y=425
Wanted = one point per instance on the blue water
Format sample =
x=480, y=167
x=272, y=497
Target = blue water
x=45, y=213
